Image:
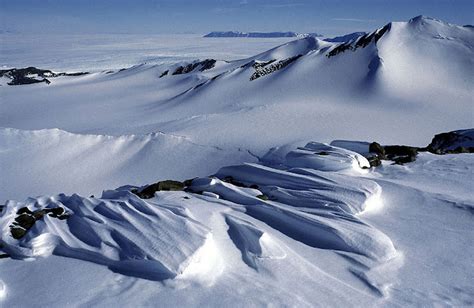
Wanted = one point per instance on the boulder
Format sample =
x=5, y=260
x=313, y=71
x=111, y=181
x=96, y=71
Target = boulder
x=26, y=219
x=461, y=141
x=168, y=185
x=17, y=232
x=376, y=148
x=374, y=160
x=401, y=154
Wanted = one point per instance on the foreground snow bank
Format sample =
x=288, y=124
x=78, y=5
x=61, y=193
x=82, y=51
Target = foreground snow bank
x=254, y=231
x=305, y=199
x=119, y=230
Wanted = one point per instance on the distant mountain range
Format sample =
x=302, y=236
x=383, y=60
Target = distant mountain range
x=259, y=34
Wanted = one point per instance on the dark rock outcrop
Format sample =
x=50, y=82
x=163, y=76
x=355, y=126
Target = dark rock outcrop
x=204, y=65
x=374, y=160
x=376, y=148
x=360, y=42
x=401, y=154
x=461, y=141
x=29, y=75
x=26, y=219
x=149, y=191
x=265, y=68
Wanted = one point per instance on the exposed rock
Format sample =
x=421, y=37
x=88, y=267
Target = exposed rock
x=25, y=221
x=204, y=65
x=265, y=68
x=31, y=75
x=262, y=197
x=401, y=154
x=188, y=182
x=460, y=150
x=39, y=214
x=339, y=49
x=24, y=210
x=164, y=73
x=376, y=148
x=149, y=191
x=257, y=65
x=207, y=64
x=27, y=218
x=361, y=42
x=461, y=141
x=374, y=160
x=17, y=232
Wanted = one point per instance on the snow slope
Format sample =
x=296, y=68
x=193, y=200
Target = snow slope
x=385, y=90
x=51, y=161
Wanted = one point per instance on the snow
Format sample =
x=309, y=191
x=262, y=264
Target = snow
x=120, y=231
x=173, y=238
x=339, y=158
x=238, y=240
x=51, y=161
x=283, y=208
x=292, y=104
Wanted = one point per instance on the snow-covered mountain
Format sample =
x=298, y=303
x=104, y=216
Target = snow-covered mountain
x=384, y=85
x=261, y=213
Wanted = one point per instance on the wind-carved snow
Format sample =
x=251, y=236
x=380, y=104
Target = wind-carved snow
x=309, y=201
x=253, y=243
x=313, y=198
x=119, y=230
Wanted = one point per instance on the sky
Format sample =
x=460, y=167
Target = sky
x=328, y=17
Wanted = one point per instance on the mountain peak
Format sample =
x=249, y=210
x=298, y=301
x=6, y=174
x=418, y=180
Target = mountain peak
x=420, y=19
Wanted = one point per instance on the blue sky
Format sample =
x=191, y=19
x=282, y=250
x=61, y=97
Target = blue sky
x=329, y=17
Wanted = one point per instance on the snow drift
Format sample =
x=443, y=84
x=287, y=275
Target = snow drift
x=314, y=205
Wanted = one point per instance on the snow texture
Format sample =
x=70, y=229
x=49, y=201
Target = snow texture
x=303, y=224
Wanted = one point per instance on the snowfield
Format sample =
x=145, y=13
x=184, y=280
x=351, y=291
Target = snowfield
x=276, y=199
